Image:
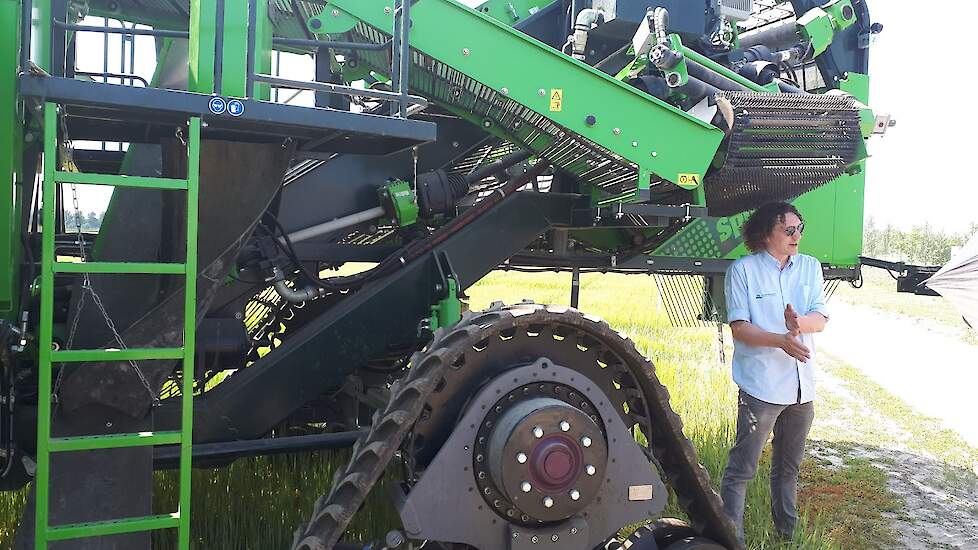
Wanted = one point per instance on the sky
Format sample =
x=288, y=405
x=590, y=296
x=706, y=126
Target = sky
x=918, y=172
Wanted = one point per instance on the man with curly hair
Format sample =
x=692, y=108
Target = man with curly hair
x=774, y=305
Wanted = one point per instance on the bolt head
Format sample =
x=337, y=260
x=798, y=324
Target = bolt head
x=590, y=469
x=516, y=534
x=634, y=144
x=466, y=52
x=564, y=425
x=555, y=537
x=575, y=494
x=534, y=539
x=388, y=10
x=537, y=432
x=542, y=93
x=521, y=458
x=335, y=13
x=617, y=131
x=504, y=91
x=526, y=487
x=586, y=441
x=654, y=154
x=548, y=502
x=573, y=530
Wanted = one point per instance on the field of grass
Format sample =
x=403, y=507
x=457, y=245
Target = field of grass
x=257, y=503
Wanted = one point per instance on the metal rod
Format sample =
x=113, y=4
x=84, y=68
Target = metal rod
x=575, y=287
x=219, y=48
x=252, y=23
x=404, y=56
x=25, y=34
x=330, y=44
x=117, y=30
x=396, y=51
x=165, y=457
x=335, y=225
x=708, y=63
x=335, y=88
x=121, y=76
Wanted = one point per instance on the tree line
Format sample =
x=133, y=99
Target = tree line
x=922, y=244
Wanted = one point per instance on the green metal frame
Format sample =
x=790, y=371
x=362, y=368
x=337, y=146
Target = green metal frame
x=45, y=533
x=659, y=138
x=11, y=150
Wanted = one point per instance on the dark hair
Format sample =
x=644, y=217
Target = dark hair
x=759, y=225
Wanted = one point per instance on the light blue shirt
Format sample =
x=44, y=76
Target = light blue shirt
x=757, y=291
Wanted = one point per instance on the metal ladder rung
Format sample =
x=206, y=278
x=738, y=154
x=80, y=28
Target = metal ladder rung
x=113, y=527
x=119, y=180
x=130, y=354
x=127, y=268
x=113, y=441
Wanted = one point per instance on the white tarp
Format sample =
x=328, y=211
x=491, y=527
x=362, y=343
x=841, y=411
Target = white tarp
x=958, y=281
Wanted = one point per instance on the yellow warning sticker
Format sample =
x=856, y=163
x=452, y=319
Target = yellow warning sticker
x=556, y=100
x=688, y=181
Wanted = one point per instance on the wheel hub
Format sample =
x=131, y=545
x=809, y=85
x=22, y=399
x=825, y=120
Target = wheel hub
x=539, y=456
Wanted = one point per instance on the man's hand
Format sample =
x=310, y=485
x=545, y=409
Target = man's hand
x=791, y=321
x=793, y=347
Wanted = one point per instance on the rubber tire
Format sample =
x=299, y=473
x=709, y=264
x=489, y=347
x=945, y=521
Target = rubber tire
x=669, y=530
x=694, y=543
x=659, y=534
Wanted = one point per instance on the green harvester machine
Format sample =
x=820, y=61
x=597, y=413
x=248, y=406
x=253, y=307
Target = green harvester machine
x=264, y=264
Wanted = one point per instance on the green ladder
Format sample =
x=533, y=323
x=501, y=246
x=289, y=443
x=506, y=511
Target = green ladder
x=45, y=533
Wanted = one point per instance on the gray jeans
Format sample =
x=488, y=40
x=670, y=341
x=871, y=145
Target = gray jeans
x=755, y=421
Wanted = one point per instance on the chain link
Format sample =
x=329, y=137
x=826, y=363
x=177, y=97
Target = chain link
x=65, y=151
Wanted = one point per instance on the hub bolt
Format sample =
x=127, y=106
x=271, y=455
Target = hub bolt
x=575, y=494
x=521, y=458
x=537, y=432
x=586, y=441
x=564, y=425
x=555, y=537
x=590, y=469
x=526, y=487
x=534, y=539
x=548, y=502
x=573, y=530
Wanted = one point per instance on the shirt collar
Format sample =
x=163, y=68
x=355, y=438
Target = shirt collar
x=774, y=261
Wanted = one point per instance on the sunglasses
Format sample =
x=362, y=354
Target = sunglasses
x=792, y=229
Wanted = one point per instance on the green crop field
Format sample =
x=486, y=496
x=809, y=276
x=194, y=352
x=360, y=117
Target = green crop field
x=257, y=503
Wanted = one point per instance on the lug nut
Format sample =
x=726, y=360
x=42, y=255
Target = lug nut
x=521, y=458
x=548, y=502
x=590, y=469
x=564, y=425
x=526, y=487
x=575, y=494
x=537, y=432
x=586, y=441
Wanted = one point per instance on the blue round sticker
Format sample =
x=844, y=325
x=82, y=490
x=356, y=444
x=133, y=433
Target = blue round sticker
x=217, y=105
x=235, y=108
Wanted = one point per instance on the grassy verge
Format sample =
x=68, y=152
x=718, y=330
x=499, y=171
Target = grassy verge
x=257, y=503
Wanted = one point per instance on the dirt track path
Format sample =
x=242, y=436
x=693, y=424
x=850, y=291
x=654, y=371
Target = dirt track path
x=934, y=373
x=914, y=359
